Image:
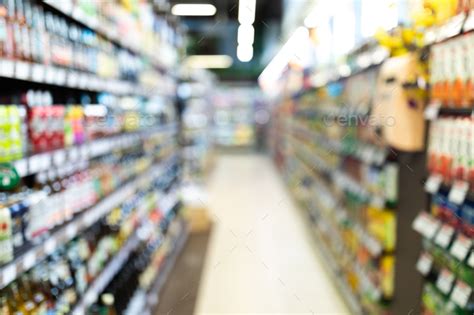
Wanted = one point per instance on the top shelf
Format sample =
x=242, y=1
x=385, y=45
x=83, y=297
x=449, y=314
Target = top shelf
x=102, y=29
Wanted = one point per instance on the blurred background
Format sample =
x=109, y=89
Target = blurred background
x=236, y=157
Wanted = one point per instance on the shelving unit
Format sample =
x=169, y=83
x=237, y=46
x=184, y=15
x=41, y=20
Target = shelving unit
x=125, y=149
x=359, y=192
x=446, y=259
x=70, y=230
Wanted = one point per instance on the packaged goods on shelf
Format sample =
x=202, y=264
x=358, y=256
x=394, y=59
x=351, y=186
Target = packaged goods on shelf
x=446, y=222
x=234, y=117
x=90, y=168
x=345, y=163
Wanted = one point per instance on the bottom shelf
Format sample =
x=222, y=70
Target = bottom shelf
x=344, y=290
x=153, y=295
x=146, y=299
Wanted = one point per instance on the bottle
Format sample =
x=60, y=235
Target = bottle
x=24, y=9
x=4, y=307
x=107, y=307
x=9, y=48
x=6, y=241
x=26, y=295
x=15, y=301
x=3, y=29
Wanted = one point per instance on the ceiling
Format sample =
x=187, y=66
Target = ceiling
x=218, y=35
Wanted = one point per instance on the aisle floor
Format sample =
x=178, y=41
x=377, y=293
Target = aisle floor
x=261, y=258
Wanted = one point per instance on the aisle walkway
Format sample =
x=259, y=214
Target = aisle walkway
x=261, y=258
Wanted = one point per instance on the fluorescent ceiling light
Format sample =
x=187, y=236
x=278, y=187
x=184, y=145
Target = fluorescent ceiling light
x=245, y=52
x=247, y=11
x=209, y=61
x=245, y=34
x=289, y=51
x=193, y=9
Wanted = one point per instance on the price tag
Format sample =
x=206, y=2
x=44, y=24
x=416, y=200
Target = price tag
x=433, y=183
x=89, y=218
x=34, y=164
x=21, y=167
x=7, y=68
x=71, y=231
x=72, y=79
x=22, y=70
x=444, y=236
x=430, y=36
x=84, y=152
x=59, y=157
x=470, y=261
x=82, y=80
x=45, y=161
x=378, y=202
x=29, y=260
x=454, y=26
x=90, y=297
x=469, y=23
x=73, y=154
x=461, y=247
x=373, y=246
x=50, y=74
x=61, y=77
x=38, y=73
x=380, y=157
x=461, y=293
x=432, y=111
x=50, y=246
x=458, y=192
x=424, y=264
x=445, y=281
x=426, y=225
x=9, y=273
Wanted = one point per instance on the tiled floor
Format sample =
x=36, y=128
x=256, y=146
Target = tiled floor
x=261, y=257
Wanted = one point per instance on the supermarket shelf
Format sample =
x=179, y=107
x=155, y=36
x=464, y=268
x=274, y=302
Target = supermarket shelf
x=44, y=161
x=364, y=61
x=435, y=110
x=344, y=180
x=458, y=192
x=109, y=272
x=365, y=153
x=329, y=113
x=348, y=296
x=455, y=26
x=100, y=28
x=153, y=294
x=70, y=230
x=457, y=111
x=69, y=78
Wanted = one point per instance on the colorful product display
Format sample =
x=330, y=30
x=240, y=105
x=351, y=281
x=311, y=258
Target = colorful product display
x=451, y=149
x=89, y=164
x=57, y=284
x=447, y=225
x=349, y=183
x=31, y=32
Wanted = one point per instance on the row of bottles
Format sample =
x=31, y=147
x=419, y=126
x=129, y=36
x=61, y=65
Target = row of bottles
x=28, y=32
x=451, y=149
x=55, y=285
x=33, y=122
x=55, y=197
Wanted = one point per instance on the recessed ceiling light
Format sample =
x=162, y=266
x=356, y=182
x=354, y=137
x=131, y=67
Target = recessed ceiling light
x=247, y=11
x=193, y=9
x=245, y=34
x=245, y=52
